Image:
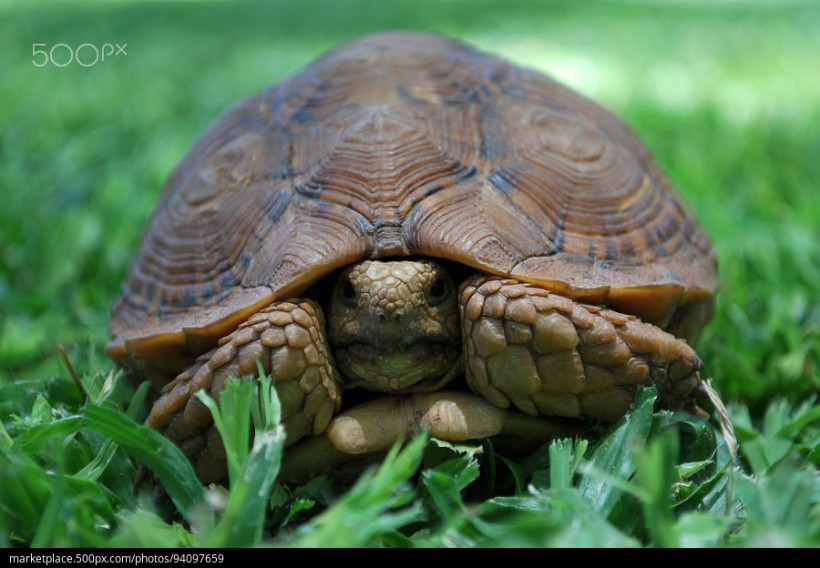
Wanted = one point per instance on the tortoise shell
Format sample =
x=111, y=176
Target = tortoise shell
x=408, y=144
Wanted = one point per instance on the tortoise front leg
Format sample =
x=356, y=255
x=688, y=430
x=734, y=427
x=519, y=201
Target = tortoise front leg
x=365, y=432
x=288, y=339
x=547, y=354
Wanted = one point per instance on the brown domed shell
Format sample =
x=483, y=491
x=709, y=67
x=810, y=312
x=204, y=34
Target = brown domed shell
x=408, y=144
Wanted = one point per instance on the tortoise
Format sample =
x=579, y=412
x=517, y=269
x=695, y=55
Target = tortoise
x=451, y=241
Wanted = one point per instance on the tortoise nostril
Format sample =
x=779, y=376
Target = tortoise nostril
x=390, y=312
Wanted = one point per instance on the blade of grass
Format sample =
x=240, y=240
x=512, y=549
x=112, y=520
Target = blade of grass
x=48, y=507
x=154, y=450
x=368, y=510
x=613, y=457
x=548, y=517
x=779, y=505
x=37, y=437
x=144, y=529
x=726, y=427
x=655, y=466
x=137, y=399
x=521, y=471
x=711, y=496
x=50, y=518
x=243, y=521
x=234, y=423
x=96, y=467
x=5, y=440
x=696, y=530
x=443, y=486
x=565, y=455
x=808, y=413
x=24, y=493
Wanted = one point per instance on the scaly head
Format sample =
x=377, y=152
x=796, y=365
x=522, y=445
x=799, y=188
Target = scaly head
x=394, y=326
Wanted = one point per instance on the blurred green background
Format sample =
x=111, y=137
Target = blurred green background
x=725, y=93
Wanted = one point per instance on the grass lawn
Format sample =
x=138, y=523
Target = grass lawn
x=725, y=93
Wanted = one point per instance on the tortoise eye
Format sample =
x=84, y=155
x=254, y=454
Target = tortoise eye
x=437, y=292
x=348, y=293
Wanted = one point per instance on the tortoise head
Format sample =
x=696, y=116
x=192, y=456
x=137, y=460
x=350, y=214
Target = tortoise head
x=394, y=326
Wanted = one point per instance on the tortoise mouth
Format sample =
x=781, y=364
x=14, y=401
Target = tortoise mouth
x=421, y=366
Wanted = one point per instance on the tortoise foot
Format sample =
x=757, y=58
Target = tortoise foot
x=284, y=339
x=359, y=436
x=547, y=354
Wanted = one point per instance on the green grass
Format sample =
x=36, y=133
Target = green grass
x=725, y=94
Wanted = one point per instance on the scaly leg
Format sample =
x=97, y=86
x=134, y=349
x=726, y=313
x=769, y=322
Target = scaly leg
x=358, y=435
x=288, y=339
x=547, y=354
